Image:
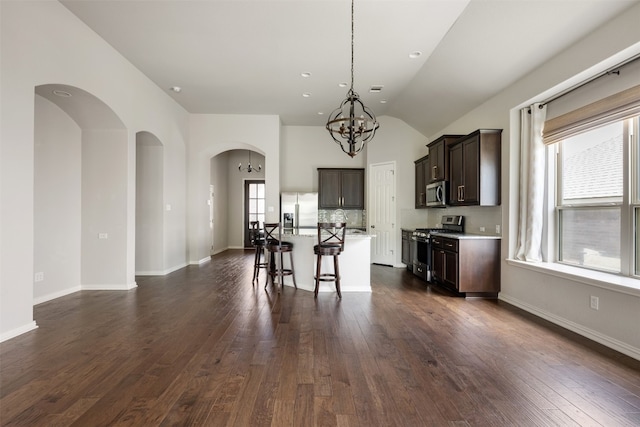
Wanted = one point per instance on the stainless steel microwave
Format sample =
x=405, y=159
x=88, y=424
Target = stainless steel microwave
x=437, y=194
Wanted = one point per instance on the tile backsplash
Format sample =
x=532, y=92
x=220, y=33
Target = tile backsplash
x=354, y=218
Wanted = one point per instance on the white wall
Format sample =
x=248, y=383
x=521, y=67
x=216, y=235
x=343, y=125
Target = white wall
x=104, y=209
x=42, y=43
x=149, y=205
x=304, y=149
x=220, y=181
x=57, y=220
x=560, y=299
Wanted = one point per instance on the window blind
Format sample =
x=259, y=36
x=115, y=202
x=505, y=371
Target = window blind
x=619, y=106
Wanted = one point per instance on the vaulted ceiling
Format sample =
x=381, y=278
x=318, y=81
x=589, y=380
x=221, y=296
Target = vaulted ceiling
x=248, y=56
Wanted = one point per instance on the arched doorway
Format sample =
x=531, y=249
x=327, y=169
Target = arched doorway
x=80, y=193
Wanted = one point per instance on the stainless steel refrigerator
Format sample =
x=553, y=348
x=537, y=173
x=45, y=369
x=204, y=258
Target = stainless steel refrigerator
x=299, y=210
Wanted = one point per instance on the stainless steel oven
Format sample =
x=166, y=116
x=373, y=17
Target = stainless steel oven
x=421, y=250
x=421, y=244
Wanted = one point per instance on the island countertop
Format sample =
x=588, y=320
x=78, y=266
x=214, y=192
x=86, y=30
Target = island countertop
x=354, y=261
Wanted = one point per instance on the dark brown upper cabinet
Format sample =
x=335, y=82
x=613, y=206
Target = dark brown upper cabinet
x=340, y=188
x=474, y=169
x=422, y=170
x=439, y=158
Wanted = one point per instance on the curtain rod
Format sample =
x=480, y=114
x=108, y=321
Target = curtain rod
x=612, y=70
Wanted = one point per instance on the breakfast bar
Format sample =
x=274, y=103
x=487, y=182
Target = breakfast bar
x=355, y=262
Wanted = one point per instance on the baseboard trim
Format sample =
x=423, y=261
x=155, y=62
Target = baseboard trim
x=200, y=262
x=110, y=287
x=54, y=295
x=596, y=336
x=18, y=331
x=161, y=273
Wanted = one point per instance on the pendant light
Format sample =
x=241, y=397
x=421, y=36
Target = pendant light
x=352, y=125
x=249, y=168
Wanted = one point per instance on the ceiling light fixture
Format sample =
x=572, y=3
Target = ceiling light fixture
x=176, y=89
x=352, y=125
x=61, y=93
x=249, y=168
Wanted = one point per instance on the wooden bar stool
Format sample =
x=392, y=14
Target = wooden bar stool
x=275, y=246
x=258, y=241
x=330, y=243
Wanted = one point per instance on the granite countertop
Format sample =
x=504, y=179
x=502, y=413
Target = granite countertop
x=350, y=234
x=461, y=236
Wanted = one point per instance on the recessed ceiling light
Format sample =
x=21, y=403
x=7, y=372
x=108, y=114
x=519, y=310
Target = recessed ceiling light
x=383, y=101
x=306, y=95
x=176, y=89
x=62, y=93
x=306, y=74
x=376, y=88
x=343, y=84
x=320, y=113
x=415, y=54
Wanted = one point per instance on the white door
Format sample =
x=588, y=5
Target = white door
x=382, y=212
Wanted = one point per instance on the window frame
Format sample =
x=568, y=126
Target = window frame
x=629, y=205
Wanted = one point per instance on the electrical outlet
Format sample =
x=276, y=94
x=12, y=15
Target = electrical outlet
x=498, y=229
x=103, y=236
x=595, y=302
x=482, y=229
x=38, y=277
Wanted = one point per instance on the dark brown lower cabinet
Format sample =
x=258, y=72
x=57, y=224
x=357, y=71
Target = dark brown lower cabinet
x=467, y=266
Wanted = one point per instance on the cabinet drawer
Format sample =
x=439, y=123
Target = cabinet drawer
x=444, y=244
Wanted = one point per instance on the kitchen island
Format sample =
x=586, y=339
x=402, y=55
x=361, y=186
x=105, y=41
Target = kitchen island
x=355, y=262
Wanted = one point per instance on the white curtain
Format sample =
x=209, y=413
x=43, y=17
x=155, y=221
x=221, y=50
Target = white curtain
x=532, y=187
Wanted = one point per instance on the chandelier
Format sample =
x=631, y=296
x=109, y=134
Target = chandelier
x=249, y=168
x=352, y=125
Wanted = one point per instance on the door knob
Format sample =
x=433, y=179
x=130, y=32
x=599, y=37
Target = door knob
x=373, y=226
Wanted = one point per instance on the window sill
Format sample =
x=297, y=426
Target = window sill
x=599, y=279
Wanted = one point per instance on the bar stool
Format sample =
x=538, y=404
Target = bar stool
x=330, y=243
x=275, y=245
x=258, y=241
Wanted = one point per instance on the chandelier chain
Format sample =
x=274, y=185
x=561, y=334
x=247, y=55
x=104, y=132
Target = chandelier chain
x=352, y=43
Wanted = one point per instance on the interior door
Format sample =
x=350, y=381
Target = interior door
x=382, y=211
x=253, y=206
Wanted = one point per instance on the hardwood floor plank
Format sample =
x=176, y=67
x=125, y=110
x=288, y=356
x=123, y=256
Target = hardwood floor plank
x=203, y=346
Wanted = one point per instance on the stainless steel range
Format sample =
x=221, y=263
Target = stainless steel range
x=421, y=242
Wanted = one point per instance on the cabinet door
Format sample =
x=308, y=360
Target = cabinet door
x=451, y=270
x=471, y=171
x=422, y=170
x=456, y=174
x=329, y=191
x=438, y=264
x=436, y=162
x=353, y=189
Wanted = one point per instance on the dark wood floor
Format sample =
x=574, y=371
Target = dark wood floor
x=204, y=347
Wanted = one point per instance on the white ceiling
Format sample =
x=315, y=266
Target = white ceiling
x=247, y=56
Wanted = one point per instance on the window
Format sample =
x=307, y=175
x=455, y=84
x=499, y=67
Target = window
x=597, y=209
x=255, y=208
